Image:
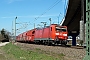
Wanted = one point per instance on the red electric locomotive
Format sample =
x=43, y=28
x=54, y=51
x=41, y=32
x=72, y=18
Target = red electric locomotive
x=51, y=35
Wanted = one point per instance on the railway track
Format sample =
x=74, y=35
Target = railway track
x=59, y=45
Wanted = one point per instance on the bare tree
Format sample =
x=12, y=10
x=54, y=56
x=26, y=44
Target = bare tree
x=5, y=35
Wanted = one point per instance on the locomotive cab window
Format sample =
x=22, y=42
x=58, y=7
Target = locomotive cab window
x=58, y=29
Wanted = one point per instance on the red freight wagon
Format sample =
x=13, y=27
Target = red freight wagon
x=30, y=35
x=24, y=36
x=19, y=37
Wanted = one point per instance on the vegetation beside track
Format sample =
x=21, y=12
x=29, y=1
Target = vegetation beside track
x=4, y=35
x=22, y=54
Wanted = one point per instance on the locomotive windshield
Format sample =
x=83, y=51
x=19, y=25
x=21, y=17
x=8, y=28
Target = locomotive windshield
x=59, y=29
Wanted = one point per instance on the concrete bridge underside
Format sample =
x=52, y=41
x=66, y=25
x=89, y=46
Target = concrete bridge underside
x=73, y=16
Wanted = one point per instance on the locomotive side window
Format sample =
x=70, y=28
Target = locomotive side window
x=58, y=29
x=51, y=28
x=33, y=32
x=26, y=33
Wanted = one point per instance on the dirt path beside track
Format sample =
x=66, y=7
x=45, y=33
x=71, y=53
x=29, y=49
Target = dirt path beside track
x=4, y=55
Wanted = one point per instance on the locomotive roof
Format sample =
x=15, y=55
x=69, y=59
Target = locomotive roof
x=42, y=27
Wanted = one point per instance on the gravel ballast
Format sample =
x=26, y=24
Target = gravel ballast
x=70, y=53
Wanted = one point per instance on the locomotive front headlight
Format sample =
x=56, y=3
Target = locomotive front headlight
x=64, y=34
x=57, y=33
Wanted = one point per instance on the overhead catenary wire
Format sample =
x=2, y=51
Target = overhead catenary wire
x=65, y=11
x=66, y=6
x=52, y=6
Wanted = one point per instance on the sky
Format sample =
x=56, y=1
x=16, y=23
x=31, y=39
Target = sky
x=30, y=12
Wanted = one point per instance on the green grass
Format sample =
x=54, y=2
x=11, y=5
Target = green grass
x=19, y=54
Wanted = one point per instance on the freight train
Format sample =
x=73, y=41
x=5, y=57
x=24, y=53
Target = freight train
x=53, y=34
